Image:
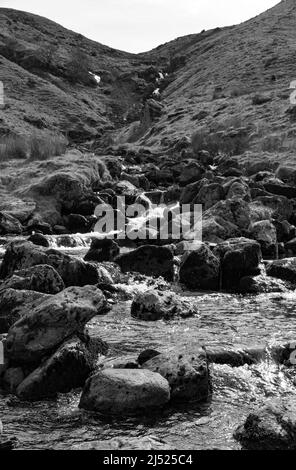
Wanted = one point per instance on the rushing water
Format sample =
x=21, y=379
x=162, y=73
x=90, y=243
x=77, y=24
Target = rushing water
x=225, y=320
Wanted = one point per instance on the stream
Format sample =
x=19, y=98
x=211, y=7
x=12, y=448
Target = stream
x=224, y=320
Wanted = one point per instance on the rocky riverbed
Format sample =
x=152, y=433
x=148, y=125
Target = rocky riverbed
x=247, y=362
x=176, y=341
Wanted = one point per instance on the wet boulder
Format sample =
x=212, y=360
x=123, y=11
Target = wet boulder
x=271, y=427
x=149, y=260
x=39, y=278
x=78, y=223
x=262, y=284
x=67, y=369
x=239, y=257
x=16, y=303
x=73, y=271
x=284, y=269
x=146, y=355
x=125, y=392
x=9, y=224
x=155, y=305
x=127, y=190
x=36, y=224
x=188, y=376
x=39, y=239
x=46, y=326
x=200, y=269
x=234, y=357
x=102, y=250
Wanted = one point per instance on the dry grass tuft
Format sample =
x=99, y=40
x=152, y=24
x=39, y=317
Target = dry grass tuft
x=35, y=147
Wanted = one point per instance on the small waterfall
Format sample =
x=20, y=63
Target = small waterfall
x=77, y=240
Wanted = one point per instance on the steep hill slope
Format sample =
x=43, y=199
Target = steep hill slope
x=229, y=83
x=45, y=70
x=235, y=77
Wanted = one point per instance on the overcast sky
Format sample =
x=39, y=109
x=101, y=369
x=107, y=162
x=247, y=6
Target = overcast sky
x=140, y=25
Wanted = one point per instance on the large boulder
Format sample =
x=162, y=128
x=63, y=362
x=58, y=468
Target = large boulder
x=125, y=391
x=102, y=250
x=217, y=229
x=239, y=257
x=42, y=330
x=155, y=305
x=262, y=284
x=209, y=195
x=149, y=260
x=234, y=210
x=39, y=278
x=188, y=376
x=284, y=269
x=73, y=271
x=191, y=172
x=9, y=224
x=66, y=369
x=265, y=233
x=271, y=427
x=39, y=239
x=189, y=192
x=16, y=303
x=200, y=269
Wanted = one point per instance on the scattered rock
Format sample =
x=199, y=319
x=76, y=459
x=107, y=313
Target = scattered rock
x=9, y=224
x=284, y=269
x=200, y=269
x=262, y=284
x=39, y=239
x=239, y=257
x=265, y=233
x=42, y=330
x=40, y=278
x=188, y=376
x=271, y=427
x=16, y=303
x=102, y=250
x=67, y=369
x=149, y=260
x=155, y=305
x=146, y=355
x=73, y=271
x=125, y=391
